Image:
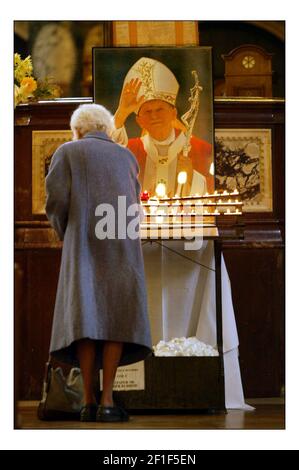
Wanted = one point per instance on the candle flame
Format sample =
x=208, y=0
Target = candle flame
x=160, y=190
x=182, y=177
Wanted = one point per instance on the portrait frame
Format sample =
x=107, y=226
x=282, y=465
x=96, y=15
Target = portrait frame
x=244, y=162
x=110, y=66
x=44, y=144
x=258, y=114
x=191, y=67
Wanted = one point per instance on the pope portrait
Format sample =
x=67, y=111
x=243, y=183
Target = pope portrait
x=172, y=160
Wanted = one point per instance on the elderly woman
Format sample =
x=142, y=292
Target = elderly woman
x=100, y=318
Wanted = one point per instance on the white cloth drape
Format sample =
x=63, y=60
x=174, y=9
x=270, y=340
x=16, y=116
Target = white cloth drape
x=181, y=300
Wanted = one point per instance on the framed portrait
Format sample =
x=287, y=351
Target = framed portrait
x=44, y=144
x=162, y=100
x=243, y=162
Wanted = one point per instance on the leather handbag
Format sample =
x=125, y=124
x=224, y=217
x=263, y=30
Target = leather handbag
x=62, y=396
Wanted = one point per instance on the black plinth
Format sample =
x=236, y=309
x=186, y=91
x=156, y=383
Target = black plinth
x=178, y=384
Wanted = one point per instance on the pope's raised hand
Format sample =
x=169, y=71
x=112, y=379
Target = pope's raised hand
x=128, y=102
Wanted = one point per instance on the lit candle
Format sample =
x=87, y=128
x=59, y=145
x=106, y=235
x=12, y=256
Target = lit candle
x=153, y=206
x=144, y=196
x=159, y=216
x=160, y=190
x=225, y=192
x=235, y=191
x=159, y=219
x=182, y=178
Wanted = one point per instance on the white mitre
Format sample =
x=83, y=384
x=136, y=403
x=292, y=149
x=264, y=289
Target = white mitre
x=158, y=82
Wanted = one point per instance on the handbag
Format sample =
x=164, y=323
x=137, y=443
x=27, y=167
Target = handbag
x=62, y=396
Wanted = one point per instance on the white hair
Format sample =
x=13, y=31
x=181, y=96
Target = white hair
x=91, y=117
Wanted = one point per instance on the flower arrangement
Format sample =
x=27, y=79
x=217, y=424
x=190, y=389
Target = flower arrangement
x=27, y=87
x=184, y=347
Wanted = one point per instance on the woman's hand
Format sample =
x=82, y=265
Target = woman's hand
x=128, y=102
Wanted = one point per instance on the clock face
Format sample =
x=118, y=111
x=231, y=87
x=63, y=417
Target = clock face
x=54, y=54
x=248, y=62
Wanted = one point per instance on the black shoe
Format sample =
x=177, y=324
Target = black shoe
x=88, y=413
x=109, y=414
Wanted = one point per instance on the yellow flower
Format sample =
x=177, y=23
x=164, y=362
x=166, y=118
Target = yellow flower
x=18, y=97
x=18, y=59
x=23, y=68
x=29, y=85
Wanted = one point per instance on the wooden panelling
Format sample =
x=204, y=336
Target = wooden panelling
x=33, y=314
x=256, y=276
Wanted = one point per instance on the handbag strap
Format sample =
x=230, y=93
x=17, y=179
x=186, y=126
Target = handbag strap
x=47, y=373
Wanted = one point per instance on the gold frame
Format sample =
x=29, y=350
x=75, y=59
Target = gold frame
x=44, y=144
x=260, y=141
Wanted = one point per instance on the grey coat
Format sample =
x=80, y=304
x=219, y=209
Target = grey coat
x=101, y=290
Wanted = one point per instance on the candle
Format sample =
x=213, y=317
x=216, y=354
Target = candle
x=159, y=219
x=225, y=192
x=161, y=190
x=144, y=196
x=235, y=191
x=182, y=178
x=153, y=206
x=159, y=216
